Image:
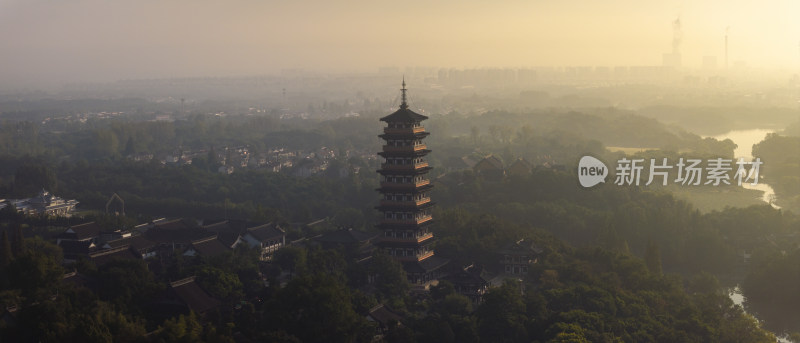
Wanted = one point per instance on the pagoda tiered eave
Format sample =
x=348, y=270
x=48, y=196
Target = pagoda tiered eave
x=402, y=153
x=407, y=242
x=404, y=226
x=404, y=170
x=387, y=205
x=408, y=135
x=387, y=187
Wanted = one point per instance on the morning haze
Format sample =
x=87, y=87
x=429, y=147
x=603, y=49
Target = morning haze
x=52, y=42
x=399, y=171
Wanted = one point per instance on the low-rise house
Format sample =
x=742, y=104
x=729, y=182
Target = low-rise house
x=229, y=231
x=183, y=296
x=469, y=161
x=106, y=236
x=145, y=247
x=490, y=167
x=124, y=252
x=43, y=203
x=74, y=250
x=517, y=257
x=267, y=237
x=90, y=231
x=472, y=282
x=384, y=318
x=208, y=247
x=520, y=167
x=313, y=228
x=176, y=235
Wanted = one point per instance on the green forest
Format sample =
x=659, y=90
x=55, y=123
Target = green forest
x=620, y=263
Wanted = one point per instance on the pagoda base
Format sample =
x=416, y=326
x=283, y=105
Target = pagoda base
x=425, y=271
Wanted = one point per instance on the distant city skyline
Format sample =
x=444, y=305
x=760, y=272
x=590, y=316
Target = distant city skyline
x=50, y=43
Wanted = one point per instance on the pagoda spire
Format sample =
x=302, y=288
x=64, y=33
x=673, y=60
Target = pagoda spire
x=404, y=104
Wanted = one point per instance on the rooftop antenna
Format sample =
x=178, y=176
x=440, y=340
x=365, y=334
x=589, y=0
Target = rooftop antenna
x=404, y=104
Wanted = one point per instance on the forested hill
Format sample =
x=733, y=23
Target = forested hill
x=571, y=295
x=600, y=278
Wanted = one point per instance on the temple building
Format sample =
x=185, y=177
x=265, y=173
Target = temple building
x=520, y=167
x=406, y=205
x=491, y=168
x=517, y=257
x=43, y=203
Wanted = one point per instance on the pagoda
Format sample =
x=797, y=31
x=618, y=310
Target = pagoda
x=406, y=219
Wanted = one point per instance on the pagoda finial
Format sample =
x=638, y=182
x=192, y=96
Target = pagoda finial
x=404, y=104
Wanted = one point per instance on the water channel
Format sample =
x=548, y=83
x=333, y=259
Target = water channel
x=745, y=139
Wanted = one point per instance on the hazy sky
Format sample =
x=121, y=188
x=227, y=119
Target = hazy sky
x=57, y=41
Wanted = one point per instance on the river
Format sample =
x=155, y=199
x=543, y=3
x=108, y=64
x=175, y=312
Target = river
x=745, y=139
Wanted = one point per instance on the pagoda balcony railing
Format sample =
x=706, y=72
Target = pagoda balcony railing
x=417, y=239
x=405, y=203
x=387, y=166
x=415, y=257
x=404, y=130
x=425, y=255
x=408, y=221
x=518, y=263
x=410, y=148
x=405, y=185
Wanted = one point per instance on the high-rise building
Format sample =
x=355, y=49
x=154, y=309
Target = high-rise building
x=406, y=203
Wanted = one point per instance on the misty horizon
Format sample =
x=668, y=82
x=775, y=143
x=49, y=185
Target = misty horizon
x=50, y=44
x=365, y=171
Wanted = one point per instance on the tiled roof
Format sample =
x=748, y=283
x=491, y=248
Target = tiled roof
x=425, y=266
x=82, y=231
x=266, y=232
x=104, y=256
x=384, y=315
x=490, y=161
x=229, y=231
x=470, y=275
x=190, y=293
x=404, y=115
x=138, y=242
x=177, y=234
x=44, y=197
x=210, y=246
x=520, y=163
x=521, y=246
